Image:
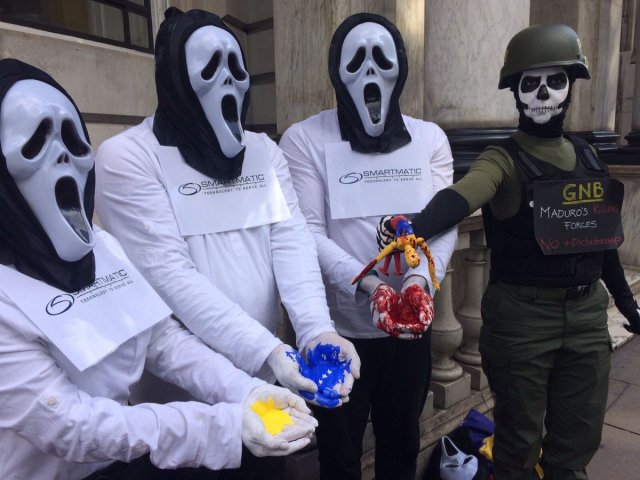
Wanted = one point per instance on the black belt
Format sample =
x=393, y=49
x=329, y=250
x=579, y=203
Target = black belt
x=559, y=293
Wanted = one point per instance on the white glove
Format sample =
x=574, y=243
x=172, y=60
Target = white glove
x=369, y=284
x=347, y=354
x=416, y=280
x=286, y=368
x=292, y=438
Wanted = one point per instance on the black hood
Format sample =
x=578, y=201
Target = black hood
x=395, y=134
x=179, y=120
x=23, y=241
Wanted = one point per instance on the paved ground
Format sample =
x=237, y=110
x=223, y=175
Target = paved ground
x=619, y=454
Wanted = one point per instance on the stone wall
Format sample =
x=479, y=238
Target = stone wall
x=113, y=85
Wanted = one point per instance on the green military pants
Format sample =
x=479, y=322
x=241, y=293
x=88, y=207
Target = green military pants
x=547, y=360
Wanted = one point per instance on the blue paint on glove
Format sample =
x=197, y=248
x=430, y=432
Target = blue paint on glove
x=326, y=370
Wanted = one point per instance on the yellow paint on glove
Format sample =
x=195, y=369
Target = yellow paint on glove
x=273, y=418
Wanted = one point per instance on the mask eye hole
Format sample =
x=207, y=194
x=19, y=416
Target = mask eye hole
x=36, y=142
x=212, y=66
x=382, y=61
x=72, y=140
x=236, y=69
x=557, y=81
x=356, y=61
x=529, y=84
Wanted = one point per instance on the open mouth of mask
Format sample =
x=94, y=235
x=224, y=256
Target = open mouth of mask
x=68, y=200
x=373, y=102
x=230, y=115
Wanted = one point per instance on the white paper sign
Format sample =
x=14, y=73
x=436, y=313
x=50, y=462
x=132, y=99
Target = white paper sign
x=365, y=185
x=204, y=205
x=89, y=324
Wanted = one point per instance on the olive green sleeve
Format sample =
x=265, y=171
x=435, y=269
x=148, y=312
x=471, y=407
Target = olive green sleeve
x=488, y=179
x=485, y=177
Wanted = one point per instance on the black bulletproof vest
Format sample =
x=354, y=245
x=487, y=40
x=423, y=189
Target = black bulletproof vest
x=515, y=255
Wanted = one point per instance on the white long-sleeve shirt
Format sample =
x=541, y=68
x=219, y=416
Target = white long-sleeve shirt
x=59, y=423
x=346, y=245
x=225, y=287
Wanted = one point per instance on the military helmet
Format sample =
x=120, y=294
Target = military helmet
x=542, y=46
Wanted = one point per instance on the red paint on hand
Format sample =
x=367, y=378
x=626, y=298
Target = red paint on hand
x=406, y=316
x=419, y=303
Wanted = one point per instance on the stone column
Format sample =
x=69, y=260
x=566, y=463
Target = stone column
x=634, y=136
x=465, y=41
x=593, y=102
x=157, y=14
x=469, y=312
x=302, y=34
x=449, y=383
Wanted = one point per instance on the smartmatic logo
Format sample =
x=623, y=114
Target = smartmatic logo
x=349, y=178
x=101, y=286
x=189, y=189
x=383, y=176
x=60, y=304
x=213, y=187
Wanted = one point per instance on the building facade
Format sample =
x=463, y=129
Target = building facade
x=101, y=51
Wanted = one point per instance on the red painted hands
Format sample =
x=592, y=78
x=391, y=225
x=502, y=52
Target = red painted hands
x=406, y=316
x=383, y=299
x=420, y=303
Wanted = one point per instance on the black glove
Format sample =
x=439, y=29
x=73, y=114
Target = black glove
x=631, y=312
x=446, y=209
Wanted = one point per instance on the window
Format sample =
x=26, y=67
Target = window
x=126, y=23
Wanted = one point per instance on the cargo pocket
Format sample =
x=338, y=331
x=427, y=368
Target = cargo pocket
x=495, y=361
x=490, y=306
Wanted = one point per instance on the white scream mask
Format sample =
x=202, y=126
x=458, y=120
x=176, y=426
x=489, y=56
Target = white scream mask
x=49, y=158
x=455, y=464
x=369, y=70
x=542, y=91
x=217, y=76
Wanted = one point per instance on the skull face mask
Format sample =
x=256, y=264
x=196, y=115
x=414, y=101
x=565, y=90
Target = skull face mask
x=543, y=93
x=369, y=69
x=218, y=78
x=49, y=159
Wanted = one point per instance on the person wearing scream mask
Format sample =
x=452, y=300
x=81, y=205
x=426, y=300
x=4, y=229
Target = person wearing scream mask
x=207, y=212
x=552, y=221
x=78, y=323
x=349, y=165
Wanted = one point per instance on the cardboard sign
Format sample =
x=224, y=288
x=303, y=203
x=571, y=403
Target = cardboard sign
x=89, y=324
x=578, y=215
x=204, y=205
x=367, y=185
